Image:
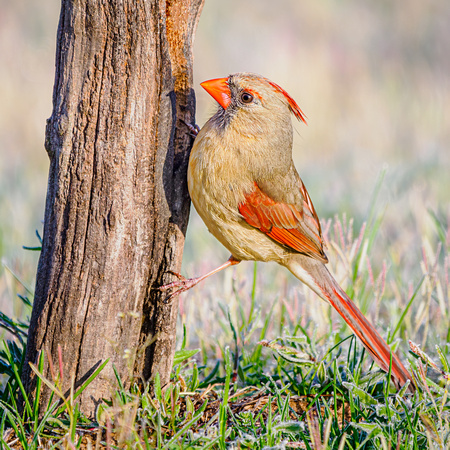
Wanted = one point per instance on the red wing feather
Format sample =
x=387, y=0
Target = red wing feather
x=284, y=223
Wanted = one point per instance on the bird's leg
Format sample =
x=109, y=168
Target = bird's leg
x=183, y=284
x=194, y=129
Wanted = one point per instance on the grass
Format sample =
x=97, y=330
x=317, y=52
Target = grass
x=271, y=366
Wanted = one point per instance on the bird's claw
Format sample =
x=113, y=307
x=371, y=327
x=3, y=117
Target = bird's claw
x=194, y=129
x=178, y=275
x=181, y=285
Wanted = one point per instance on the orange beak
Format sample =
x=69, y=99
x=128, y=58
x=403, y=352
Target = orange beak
x=219, y=90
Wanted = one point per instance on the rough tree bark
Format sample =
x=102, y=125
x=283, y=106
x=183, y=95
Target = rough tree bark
x=117, y=201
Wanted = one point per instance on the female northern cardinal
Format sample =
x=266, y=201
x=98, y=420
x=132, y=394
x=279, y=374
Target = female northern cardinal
x=244, y=185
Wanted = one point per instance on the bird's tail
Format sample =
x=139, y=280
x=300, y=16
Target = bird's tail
x=315, y=275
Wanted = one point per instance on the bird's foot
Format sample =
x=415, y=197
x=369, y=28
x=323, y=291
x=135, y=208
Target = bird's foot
x=181, y=285
x=194, y=129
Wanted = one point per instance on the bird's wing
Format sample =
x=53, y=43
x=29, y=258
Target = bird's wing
x=295, y=226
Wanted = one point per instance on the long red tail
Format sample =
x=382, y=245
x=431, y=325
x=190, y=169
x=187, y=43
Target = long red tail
x=317, y=277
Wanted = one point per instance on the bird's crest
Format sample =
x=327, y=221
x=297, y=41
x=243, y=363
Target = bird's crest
x=295, y=109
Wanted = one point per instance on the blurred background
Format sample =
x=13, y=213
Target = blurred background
x=373, y=79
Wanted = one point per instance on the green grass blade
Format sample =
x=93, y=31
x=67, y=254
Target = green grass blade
x=402, y=317
x=224, y=405
x=253, y=295
x=11, y=361
x=90, y=379
x=183, y=355
x=188, y=425
x=42, y=423
x=38, y=391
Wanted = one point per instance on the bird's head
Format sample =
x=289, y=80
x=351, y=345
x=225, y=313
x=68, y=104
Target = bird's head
x=252, y=96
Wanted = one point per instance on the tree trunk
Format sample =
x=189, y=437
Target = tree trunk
x=117, y=202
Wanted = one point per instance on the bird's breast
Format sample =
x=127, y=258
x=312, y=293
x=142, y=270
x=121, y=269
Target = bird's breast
x=219, y=177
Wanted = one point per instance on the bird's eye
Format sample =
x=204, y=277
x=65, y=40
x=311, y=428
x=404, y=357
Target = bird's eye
x=246, y=97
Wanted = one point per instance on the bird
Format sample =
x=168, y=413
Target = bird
x=244, y=185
